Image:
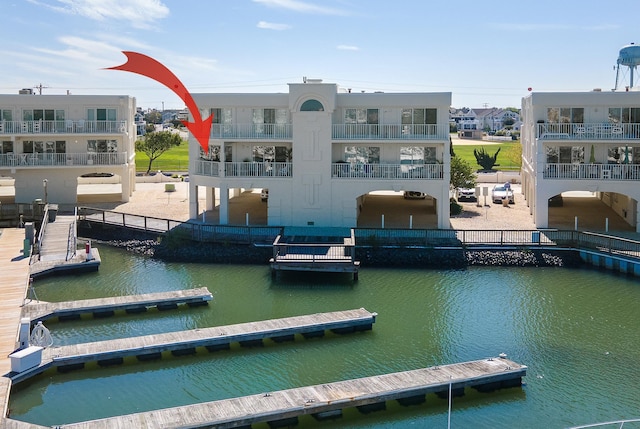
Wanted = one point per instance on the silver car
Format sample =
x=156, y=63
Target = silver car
x=466, y=194
x=501, y=192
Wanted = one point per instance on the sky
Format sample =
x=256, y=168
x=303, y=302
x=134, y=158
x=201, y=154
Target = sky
x=486, y=53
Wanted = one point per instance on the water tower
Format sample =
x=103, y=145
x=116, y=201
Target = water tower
x=629, y=57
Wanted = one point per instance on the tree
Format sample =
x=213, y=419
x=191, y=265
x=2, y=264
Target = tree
x=486, y=161
x=462, y=174
x=156, y=143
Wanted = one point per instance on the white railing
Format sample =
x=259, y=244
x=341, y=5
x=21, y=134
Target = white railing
x=62, y=159
x=390, y=132
x=244, y=169
x=339, y=131
x=387, y=171
x=63, y=127
x=251, y=131
x=592, y=171
x=588, y=131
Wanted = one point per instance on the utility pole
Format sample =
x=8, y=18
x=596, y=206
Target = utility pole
x=40, y=87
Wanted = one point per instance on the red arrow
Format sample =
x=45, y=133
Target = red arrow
x=147, y=66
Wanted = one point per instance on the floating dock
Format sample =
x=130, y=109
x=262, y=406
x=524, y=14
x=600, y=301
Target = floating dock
x=38, y=311
x=326, y=401
x=149, y=347
x=329, y=250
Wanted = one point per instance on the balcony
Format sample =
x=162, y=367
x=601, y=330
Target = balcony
x=244, y=169
x=622, y=172
x=63, y=127
x=386, y=171
x=251, y=131
x=61, y=159
x=588, y=131
x=390, y=132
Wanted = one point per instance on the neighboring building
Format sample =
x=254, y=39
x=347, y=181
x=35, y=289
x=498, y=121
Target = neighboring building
x=582, y=141
x=62, y=137
x=141, y=123
x=320, y=150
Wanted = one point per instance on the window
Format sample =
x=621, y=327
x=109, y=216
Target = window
x=312, y=106
x=6, y=147
x=102, y=146
x=271, y=154
x=419, y=116
x=362, y=155
x=624, y=115
x=418, y=155
x=43, y=115
x=6, y=115
x=623, y=155
x=101, y=114
x=565, y=115
x=221, y=116
x=268, y=120
x=29, y=146
x=361, y=116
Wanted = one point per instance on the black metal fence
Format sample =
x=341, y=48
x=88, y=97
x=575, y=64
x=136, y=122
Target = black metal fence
x=265, y=235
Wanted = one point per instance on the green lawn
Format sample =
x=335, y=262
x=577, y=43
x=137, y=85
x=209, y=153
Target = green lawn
x=175, y=159
x=508, y=158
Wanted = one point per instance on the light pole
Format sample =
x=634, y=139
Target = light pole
x=44, y=185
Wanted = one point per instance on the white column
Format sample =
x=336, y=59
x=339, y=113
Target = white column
x=224, y=205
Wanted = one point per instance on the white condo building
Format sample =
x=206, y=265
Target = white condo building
x=582, y=141
x=52, y=140
x=320, y=150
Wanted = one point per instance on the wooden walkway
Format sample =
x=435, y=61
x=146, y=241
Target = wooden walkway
x=14, y=268
x=38, y=311
x=58, y=250
x=148, y=347
x=323, y=400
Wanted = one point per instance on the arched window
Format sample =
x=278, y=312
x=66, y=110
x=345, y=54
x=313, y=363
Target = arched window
x=312, y=106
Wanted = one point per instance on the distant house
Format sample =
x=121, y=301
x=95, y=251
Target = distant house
x=575, y=141
x=56, y=139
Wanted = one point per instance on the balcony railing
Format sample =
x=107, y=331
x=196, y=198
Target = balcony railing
x=62, y=159
x=338, y=170
x=63, y=127
x=386, y=171
x=390, y=132
x=244, y=169
x=588, y=131
x=592, y=171
x=251, y=131
x=339, y=131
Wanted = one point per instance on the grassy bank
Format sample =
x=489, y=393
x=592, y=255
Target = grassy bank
x=508, y=158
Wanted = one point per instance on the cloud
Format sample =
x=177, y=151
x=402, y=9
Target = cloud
x=140, y=13
x=299, y=6
x=347, y=48
x=273, y=26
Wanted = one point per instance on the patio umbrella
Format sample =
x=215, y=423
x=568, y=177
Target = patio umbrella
x=592, y=158
x=626, y=155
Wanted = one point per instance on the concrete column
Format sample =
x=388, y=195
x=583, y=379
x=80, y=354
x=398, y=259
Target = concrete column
x=193, y=200
x=224, y=205
x=125, y=182
x=210, y=198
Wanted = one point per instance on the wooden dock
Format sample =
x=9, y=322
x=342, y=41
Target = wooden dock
x=14, y=267
x=282, y=408
x=58, y=250
x=302, y=253
x=112, y=352
x=38, y=311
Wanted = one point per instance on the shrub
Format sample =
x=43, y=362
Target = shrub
x=454, y=207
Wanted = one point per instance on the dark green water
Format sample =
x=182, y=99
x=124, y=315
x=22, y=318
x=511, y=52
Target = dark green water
x=578, y=331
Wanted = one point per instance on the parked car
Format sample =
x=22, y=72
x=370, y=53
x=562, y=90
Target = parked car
x=414, y=195
x=501, y=192
x=466, y=194
x=264, y=195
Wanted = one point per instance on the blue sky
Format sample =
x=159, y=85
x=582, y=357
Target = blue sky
x=485, y=53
